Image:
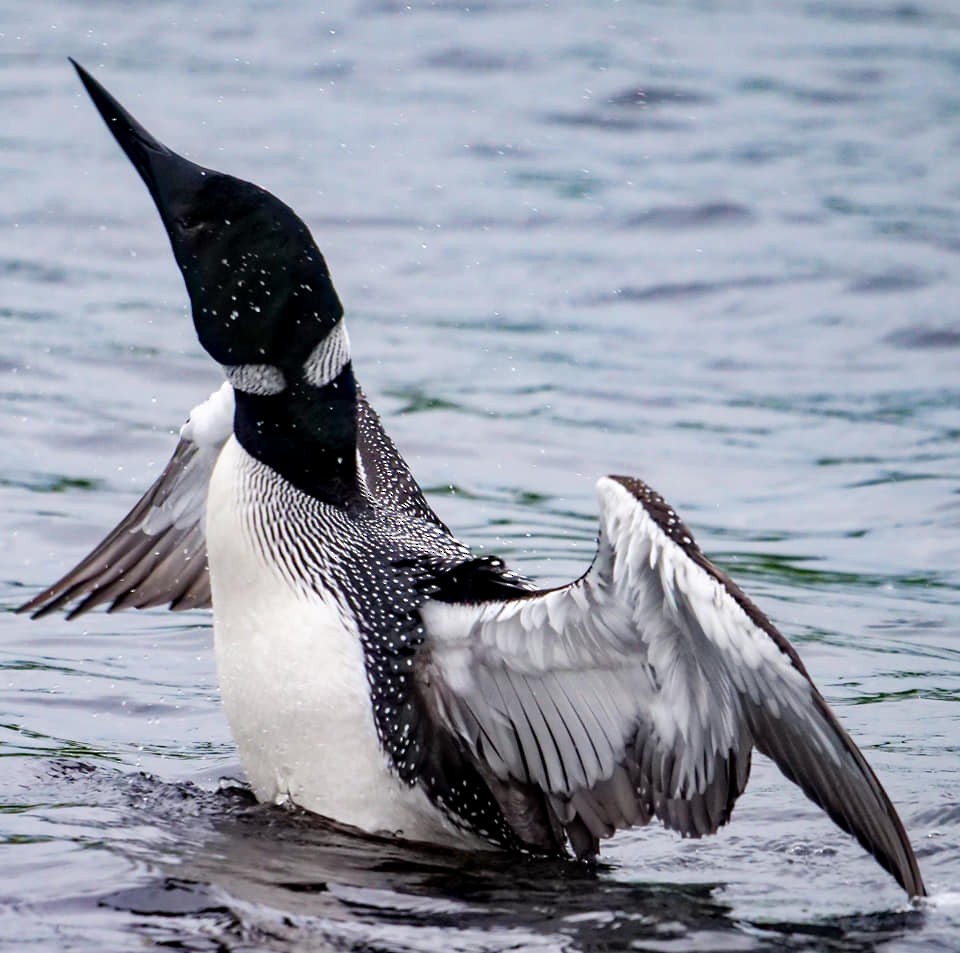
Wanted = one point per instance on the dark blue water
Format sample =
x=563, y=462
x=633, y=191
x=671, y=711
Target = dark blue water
x=716, y=245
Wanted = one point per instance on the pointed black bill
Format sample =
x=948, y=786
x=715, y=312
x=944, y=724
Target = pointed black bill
x=170, y=178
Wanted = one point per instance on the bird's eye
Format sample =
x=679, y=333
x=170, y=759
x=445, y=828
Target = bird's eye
x=188, y=223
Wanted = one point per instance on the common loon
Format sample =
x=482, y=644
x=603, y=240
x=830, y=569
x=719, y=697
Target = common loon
x=376, y=671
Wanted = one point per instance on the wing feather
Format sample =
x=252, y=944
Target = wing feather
x=132, y=567
x=641, y=689
x=156, y=555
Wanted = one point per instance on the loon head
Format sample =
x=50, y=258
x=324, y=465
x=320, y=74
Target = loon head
x=244, y=254
x=263, y=306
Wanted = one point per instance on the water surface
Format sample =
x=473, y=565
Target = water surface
x=713, y=245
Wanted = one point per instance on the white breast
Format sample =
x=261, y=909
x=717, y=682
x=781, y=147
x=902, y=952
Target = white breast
x=293, y=680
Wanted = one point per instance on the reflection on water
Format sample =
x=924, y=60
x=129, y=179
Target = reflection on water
x=714, y=246
x=283, y=880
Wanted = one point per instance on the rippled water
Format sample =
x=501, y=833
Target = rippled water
x=711, y=244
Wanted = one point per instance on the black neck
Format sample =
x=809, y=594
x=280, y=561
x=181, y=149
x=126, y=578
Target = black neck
x=307, y=434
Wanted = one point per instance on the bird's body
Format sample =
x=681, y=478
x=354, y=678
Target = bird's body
x=290, y=660
x=373, y=669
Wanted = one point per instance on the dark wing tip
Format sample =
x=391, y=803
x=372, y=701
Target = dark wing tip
x=149, y=578
x=37, y=606
x=54, y=597
x=867, y=812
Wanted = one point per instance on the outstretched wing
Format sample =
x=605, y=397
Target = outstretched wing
x=640, y=690
x=157, y=555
